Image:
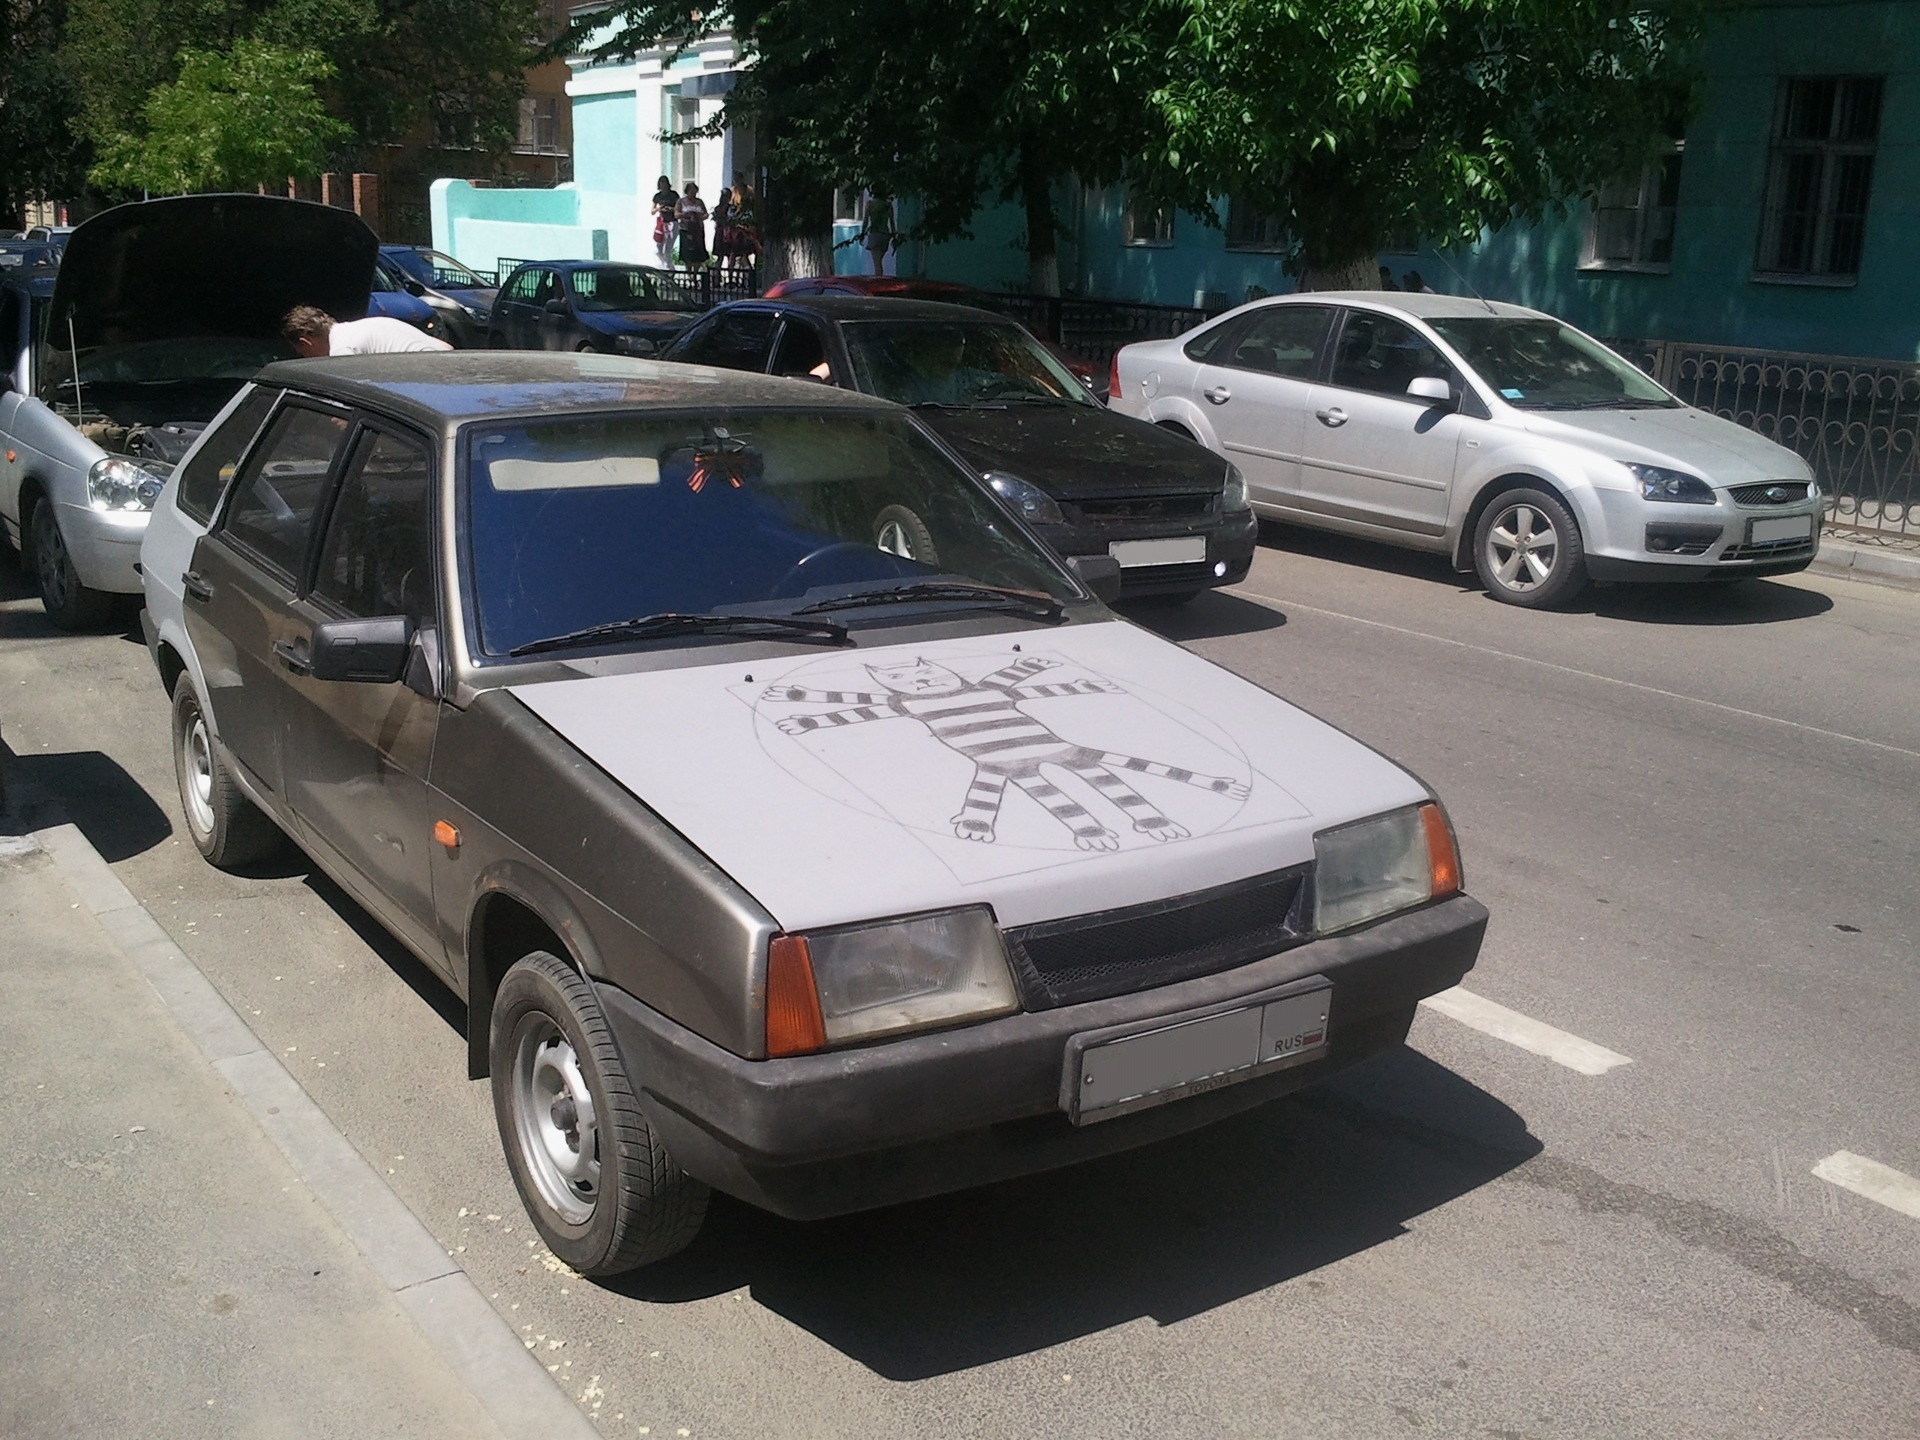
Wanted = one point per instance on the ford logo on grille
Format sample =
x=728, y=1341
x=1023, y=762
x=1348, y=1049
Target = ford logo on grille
x=1778, y=494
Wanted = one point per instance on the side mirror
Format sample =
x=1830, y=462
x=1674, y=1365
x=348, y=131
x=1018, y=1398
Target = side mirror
x=369, y=652
x=555, y=307
x=640, y=345
x=1433, y=388
x=1098, y=573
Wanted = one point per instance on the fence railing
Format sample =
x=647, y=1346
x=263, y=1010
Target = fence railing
x=1856, y=422
x=708, y=286
x=1092, y=330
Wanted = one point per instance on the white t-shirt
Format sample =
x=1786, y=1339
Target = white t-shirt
x=378, y=335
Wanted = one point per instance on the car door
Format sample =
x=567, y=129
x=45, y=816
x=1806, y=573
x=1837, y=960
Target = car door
x=357, y=753
x=1372, y=452
x=516, y=310
x=553, y=320
x=239, y=590
x=1256, y=384
x=735, y=339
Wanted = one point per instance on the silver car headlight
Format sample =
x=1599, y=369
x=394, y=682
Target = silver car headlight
x=1036, y=507
x=1234, y=496
x=861, y=982
x=1377, y=866
x=117, y=483
x=1673, y=486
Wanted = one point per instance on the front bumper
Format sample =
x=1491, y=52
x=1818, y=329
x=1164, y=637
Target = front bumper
x=849, y=1130
x=104, y=546
x=1638, y=540
x=1230, y=545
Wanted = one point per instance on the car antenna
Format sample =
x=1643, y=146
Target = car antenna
x=1441, y=257
x=79, y=406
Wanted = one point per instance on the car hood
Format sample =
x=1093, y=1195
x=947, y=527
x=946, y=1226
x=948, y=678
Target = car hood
x=853, y=819
x=1718, y=451
x=1075, y=450
x=205, y=266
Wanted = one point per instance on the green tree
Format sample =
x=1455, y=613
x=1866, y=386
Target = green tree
x=42, y=155
x=234, y=120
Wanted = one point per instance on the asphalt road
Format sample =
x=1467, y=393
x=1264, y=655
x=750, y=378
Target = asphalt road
x=1693, y=815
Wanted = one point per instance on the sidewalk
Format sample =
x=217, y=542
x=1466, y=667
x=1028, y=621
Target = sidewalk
x=1860, y=555
x=192, y=1250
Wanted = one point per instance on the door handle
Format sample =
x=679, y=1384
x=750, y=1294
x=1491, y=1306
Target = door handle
x=294, y=657
x=195, y=584
x=1333, y=417
x=1218, y=395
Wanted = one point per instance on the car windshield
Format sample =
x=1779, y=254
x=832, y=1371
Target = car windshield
x=1539, y=364
x=430, y=267
x=627, y=288
x=956, y=362
x=208, y=357
x=24, y=255
x=592, y=520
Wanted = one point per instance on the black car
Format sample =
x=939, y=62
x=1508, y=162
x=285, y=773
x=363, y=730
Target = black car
x=590, y=305
x=1091, y=482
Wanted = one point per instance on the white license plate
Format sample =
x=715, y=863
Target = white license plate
x=1790, y=527
x=1177, y=550
x=1131, y=1073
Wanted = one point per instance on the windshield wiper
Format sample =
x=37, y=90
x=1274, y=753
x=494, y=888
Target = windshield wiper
x=958, y=405
x=1030, y=602
x=674, y=622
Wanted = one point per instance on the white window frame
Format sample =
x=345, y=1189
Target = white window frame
x=1637, y=195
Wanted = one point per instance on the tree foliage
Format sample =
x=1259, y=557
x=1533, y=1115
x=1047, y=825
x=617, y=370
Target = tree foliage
x=42, y=153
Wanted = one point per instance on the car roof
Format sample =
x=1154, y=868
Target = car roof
x=589, y=265
x=444, y=389
x=877, y=307
x=1423, y=307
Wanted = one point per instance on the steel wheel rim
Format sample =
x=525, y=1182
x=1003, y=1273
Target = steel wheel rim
x=50, y=560
x=196, y=770
x=1523, y=547
x=893, y=539
x=554, y=1123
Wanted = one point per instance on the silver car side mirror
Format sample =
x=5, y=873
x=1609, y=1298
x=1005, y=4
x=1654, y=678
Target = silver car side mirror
x=1433, y=388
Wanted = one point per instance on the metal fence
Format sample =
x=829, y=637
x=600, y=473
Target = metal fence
x=708, y=286
x=1092, y=330
x=1856, y=422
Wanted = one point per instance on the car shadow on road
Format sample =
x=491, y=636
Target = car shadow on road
x=104, y=802
x=22, y=618
x=1162, y=1233
x=1205, y=617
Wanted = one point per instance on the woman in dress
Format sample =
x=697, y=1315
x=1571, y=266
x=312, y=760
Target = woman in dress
x=691, y=214
x=665, y=204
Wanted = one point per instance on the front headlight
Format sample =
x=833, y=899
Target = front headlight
x=1378, y=866
x=860, y=982
x=1674, y=486
x=116, y=483
x=1234, y=496
x=1036, y=507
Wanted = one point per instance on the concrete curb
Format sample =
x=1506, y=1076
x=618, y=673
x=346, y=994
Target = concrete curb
x=1882, y=564
x=478, y=1346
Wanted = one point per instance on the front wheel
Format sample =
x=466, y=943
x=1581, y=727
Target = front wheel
x=69, y=604
x=600, y=1187
x=1528, y=552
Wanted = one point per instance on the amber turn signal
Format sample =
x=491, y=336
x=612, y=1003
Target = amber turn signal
x=794, y=1024
x=447, y=834
x=1443, y=857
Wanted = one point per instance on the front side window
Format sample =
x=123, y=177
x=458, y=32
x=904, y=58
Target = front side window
x=1631, y=227
x=204, y=477
x=524, y=285
x=271, y=513
x=376, y=558
x=945, y=362
x=584, y=521
x=1536, y=363
x=1820, y=176
x=732, y=340
x=1280, y=340
x=1380, y=354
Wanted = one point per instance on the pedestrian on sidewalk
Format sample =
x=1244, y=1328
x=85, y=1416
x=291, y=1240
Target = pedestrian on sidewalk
x=691, y=215
x=665, y=204
x=1414, y=285
x=314, y=333
x=877, y=235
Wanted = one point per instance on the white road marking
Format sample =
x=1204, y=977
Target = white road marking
x=1529, y=1034
x=1871, y=1179
x=1585, y=674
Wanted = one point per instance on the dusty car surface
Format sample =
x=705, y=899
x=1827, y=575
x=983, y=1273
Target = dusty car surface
x=159, y=313
x=764, y=858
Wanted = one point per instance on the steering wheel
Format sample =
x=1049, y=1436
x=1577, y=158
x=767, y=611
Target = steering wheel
x=794, y=582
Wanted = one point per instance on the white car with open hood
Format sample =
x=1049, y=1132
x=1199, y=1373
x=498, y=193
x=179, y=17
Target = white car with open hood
x=766, y=858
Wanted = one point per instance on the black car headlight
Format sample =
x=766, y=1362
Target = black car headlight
x=1381, y=865
x=861, y=982
x=635, y=345
x=1036, y=507
x=116, y=483
x=1673, y=486
x=1234, y=496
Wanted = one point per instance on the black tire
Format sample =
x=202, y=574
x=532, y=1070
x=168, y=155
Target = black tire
x=228, y=829
x=1527, y=550
x=625, y=1204
x=69, y=604
x=899, y=531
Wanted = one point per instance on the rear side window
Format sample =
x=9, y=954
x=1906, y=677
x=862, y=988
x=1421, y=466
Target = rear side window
x=1203, y=345
x=735, y=340
x=204, y=477
x=1280, y=340
x=271, y=513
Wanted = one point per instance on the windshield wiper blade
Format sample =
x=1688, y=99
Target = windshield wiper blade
x=996, y=597
x=674, y=622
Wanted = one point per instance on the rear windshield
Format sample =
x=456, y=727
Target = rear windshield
x=589, y=520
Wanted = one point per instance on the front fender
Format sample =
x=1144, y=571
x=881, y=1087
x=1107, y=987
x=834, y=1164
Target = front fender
x=1526, y=460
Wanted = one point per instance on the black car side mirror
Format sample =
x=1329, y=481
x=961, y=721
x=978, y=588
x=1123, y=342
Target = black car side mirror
x=414, y=287
x=370, y=652
x=555, y=307
x=1099, y=574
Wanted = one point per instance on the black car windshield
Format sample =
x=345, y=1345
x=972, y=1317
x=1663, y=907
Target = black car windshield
x=627, y=288
x=430, y=267
x=580, y=521
x=1540, y=364
x=956, y=362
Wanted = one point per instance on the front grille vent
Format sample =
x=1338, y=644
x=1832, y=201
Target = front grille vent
x=1147, y=507
x=1115, y=952
x=1789, y=549
x=1773, y=492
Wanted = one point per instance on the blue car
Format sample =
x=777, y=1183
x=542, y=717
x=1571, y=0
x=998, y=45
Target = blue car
x=596, y=305
x=461, y=298
x=390, y=298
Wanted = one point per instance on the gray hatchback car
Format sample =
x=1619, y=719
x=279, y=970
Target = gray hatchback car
x=765, y=859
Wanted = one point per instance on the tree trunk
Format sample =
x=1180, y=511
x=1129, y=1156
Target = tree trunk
x=797, y=231
x=1036, y=193
x=1360, y=274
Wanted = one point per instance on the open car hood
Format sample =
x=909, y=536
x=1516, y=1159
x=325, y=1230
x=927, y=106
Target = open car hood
x=202, y=267
x=831, y=820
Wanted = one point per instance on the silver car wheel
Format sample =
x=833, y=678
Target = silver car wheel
x=50, y=557
x=196, y=764
x=555, y=1126
x=893, y=539
x=1522, y=547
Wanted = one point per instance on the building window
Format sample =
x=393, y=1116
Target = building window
x=1819, y=177
x=1144, y=223
x=849, y=205
x=683, y=116
x=539, y=126
x=1631, y=227
x=454, y=122
x=1251, y=228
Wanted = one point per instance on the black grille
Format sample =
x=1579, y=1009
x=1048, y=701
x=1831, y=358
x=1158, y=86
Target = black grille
x=1774, y=492
x=1788, y=549
x=1114, y=952
x=1195, y=575
x=1147, y=507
